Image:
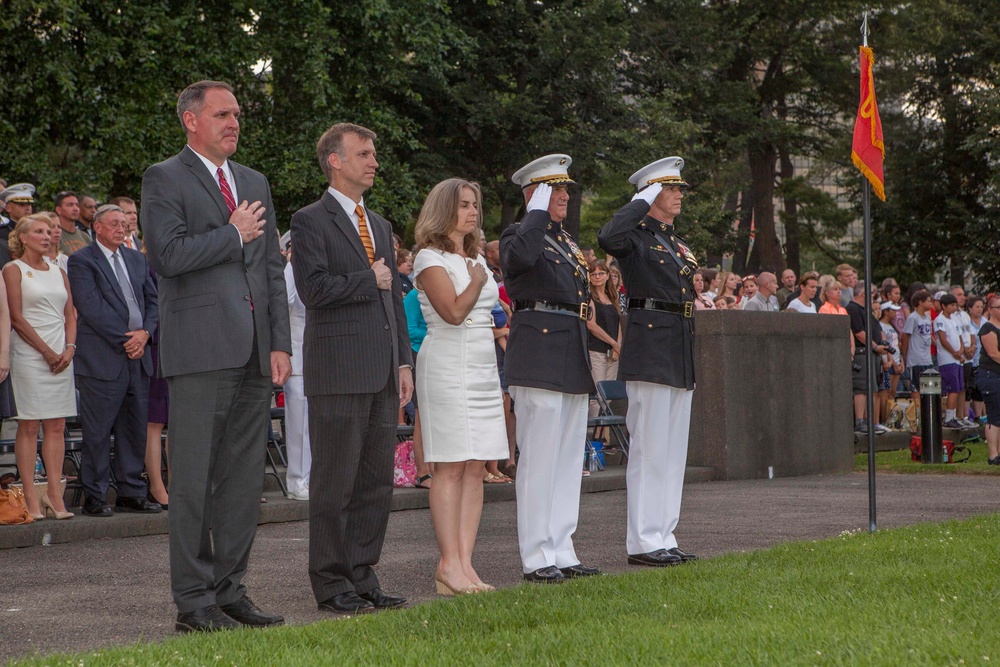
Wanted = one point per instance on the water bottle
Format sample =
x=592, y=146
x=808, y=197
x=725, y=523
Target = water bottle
x=39, y=468
x=944, y=454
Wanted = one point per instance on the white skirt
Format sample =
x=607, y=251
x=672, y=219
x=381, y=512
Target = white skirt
x=459, y=396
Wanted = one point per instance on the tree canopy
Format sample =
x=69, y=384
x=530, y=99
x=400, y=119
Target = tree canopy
x=746, y=92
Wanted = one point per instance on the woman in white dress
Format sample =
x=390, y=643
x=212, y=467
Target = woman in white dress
x=44, y=323
x=461, y=403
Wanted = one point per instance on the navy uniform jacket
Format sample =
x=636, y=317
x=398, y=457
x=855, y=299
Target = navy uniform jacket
x=544, y=350
x=658, y=346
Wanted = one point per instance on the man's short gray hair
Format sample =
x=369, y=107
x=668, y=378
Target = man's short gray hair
x=104, y=210
x=192, y=98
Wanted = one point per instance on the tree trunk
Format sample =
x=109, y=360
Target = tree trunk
x=572, y=222
x=958, y=271
x=791, y=218
x=766, y=254
x=745, y=213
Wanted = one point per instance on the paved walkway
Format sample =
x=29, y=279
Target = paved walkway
x=96, y=593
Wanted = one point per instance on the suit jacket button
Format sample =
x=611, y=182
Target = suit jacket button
x=545, y=330
x=385, y=326
x=683, y=290
x=246, y=297
x=579, y=293
x=558, y=262
x=661, y=261
x=650, y=326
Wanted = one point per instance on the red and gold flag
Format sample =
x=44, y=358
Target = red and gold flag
x=868, y=150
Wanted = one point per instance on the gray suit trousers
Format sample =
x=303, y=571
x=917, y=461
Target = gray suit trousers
x=350, y=488
x=218, y=435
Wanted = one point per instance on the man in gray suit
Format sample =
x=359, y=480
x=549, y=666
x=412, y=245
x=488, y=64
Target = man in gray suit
x=224, y=338
x=356, y=373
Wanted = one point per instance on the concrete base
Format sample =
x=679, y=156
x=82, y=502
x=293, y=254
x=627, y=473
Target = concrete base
x=773, y=394
x=277, y=509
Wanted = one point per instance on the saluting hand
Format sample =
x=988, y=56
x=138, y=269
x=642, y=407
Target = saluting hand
x=247, y=220
x=650, y=194
x=383, y=276
x=540, y=198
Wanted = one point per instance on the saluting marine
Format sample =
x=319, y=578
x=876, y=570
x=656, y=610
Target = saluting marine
x=548, y=370
x=657, y=358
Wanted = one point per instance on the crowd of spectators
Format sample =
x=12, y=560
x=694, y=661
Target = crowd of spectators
x=911, y=333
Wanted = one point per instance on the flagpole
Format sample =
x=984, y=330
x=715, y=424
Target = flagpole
x=866, y=190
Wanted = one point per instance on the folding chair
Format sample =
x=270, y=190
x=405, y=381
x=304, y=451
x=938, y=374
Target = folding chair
x=608, y=391
x=273, y=447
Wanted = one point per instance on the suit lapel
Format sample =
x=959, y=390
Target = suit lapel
x=344, y=224
x=104, y=267
x=197, y=167
x=134, y=275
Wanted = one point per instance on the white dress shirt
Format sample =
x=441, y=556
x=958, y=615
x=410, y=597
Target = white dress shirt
x=213, y=169
x=109, y=255
x=349, y=207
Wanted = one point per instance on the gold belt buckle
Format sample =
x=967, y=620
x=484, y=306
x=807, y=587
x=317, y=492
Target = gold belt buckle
x=688, y=308
x=584, y=311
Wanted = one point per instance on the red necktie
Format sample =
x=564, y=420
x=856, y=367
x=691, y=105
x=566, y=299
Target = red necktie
x=227, y=192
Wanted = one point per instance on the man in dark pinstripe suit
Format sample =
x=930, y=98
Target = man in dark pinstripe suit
x=357, y=372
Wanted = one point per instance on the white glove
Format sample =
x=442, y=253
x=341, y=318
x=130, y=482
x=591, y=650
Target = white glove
x=649, y=194
x=540, y=198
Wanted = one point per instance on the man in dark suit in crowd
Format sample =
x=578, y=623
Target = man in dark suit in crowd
x=116, y=308
x=357, y=372
x=548, y=370
x=224, y=338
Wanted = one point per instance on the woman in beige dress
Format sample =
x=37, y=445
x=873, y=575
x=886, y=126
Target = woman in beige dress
x=42, y=349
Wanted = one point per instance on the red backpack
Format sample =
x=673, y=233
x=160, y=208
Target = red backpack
x=916, y=449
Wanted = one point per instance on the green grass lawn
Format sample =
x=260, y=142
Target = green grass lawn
x=922, y=595
x=899, y=461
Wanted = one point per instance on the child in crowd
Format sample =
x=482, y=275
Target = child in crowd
x=892, y=362
x=950, y=353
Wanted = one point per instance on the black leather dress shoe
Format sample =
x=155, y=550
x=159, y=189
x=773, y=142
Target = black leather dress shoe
x=247, y=613
x=136, y=504
x=546, y=575
x=95, y=507
x=658, y=558
x=575, y=571
x=684, y=556
x=347, y=603
x=206, y=619
x=383, y=600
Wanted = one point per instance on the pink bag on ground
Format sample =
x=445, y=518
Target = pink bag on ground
x=404, y=472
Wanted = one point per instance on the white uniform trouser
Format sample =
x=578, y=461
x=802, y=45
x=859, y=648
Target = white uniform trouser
x=658, y=421
x=551, y=435
x=297, y=435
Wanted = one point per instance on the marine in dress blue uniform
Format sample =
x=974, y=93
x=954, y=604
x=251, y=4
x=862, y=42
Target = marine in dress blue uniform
x=548, y=370
x=657, y=358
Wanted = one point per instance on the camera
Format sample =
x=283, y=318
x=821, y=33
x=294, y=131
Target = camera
x=890, y=349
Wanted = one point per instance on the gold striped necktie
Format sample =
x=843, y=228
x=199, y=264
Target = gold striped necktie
x=366, y=239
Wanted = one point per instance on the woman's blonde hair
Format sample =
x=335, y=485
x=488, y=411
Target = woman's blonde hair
x=832, y=284
x=14, y=243
x=439, y=216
